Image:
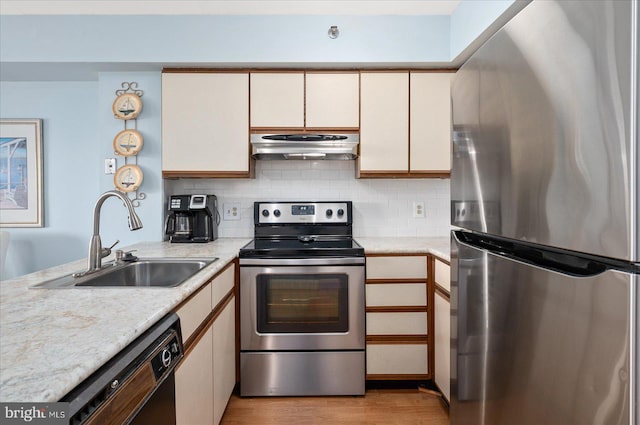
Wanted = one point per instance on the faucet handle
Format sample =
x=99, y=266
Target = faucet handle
x=106, y=251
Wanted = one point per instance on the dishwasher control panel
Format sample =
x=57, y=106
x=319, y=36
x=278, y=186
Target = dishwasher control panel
x=169, y=352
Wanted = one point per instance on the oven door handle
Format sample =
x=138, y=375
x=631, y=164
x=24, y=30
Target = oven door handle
x=330, y=261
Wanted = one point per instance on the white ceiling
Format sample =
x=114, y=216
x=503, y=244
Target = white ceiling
x=228, y=7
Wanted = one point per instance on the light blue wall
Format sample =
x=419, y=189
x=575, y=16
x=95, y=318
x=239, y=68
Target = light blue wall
x=78, y=131
x=70, y=151
x=78, y=123
x=224, y=39
x=471, y=19
x=114, y=218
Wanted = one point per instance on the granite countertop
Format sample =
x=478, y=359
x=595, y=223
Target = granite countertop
x=52, y=339
x=438, y=246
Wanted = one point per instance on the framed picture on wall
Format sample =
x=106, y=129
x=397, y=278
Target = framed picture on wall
x=21, y=173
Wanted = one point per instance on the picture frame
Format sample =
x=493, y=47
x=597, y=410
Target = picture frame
x=21, y=174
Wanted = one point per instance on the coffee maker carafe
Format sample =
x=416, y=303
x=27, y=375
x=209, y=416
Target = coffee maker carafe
x=192, y=218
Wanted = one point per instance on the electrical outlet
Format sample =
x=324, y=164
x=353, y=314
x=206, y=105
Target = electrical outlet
x=110, y=166
x=418, y=209
x=231, y=212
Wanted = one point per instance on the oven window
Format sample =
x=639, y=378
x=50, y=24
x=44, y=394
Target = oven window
x=304, y=303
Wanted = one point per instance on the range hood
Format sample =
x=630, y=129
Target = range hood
x=312, y=146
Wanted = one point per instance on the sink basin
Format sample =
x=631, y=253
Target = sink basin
x=151, y=272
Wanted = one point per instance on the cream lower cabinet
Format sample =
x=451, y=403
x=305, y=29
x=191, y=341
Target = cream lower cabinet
x=442, y=344
x=194, y=384
x=206, y=376
x=398, y=312
x=224, y=359
x=205, y=124
x=442, y=328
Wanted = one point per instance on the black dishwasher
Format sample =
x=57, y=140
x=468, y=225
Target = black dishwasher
x=135, y=387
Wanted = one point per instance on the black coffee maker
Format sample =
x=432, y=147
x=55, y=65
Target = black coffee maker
x=192, y=218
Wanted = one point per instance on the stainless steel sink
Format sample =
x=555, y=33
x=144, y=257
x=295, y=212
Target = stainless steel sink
x=151, y=272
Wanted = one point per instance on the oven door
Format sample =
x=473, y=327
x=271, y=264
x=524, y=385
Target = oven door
x=302, y=304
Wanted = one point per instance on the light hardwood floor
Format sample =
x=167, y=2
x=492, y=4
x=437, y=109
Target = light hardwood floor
x=377, y=407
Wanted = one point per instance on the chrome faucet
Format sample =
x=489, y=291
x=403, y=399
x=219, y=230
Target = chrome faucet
x=96, y=251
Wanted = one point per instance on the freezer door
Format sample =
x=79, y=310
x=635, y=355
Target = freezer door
x=533, y=346
x=544, y=139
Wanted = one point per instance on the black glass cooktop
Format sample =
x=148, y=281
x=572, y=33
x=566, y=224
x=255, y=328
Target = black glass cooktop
x=302, y=247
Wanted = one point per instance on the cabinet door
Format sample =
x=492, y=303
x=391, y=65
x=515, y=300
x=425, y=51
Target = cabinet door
x=397, y=359
x=224, y=359
x=397, y=323
x=384, y=122
x=442, y=344
x=430, y=134
x=193, y=312
x=332, y=100
x=194, y=384
x=396, y=294
x=442, y=274
x=277, y=99
x=205, y=123
x=397, y=267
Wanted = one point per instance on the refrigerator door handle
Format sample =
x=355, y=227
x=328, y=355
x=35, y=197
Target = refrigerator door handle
x=562, y=261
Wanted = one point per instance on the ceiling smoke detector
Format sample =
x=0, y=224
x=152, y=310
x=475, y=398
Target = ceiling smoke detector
x=333, y=32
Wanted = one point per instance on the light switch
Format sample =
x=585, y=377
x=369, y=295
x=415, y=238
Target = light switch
x=110, y=166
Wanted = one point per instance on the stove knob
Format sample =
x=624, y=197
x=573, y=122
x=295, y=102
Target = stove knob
x=329, y=212
x=276, y=213
x=265, y=213
x=340, y=212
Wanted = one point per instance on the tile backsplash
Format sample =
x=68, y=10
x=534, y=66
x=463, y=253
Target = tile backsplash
x=382, y=207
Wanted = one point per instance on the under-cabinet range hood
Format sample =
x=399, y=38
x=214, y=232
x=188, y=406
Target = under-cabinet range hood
x=305, y=146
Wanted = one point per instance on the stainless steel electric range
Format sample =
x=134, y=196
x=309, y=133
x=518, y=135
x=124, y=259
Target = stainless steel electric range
x=302, y=302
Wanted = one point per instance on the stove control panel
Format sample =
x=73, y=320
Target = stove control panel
x=302, y=212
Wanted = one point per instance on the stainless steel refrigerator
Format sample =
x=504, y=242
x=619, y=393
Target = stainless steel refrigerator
x=545, y=246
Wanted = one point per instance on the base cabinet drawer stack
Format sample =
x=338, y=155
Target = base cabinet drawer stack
x=442, y=331
x=207, y=375
x=398, y=317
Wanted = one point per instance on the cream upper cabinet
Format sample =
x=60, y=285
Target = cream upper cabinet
x=430, y=118
x=205, y=124
x=277, y=99
x=384, y=122
x=332, y=100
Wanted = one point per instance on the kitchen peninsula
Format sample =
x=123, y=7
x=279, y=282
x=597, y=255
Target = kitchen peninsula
x=52, y=339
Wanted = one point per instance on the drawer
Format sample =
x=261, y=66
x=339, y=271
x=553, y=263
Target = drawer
x=397, y=323
x=399, y=267
x=443, y=274
x=222, y=285
x=396, y=294
x=397, y=359
x=194, y=311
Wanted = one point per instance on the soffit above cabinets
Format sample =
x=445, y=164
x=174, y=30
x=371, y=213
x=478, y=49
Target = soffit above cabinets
x=229, y=7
